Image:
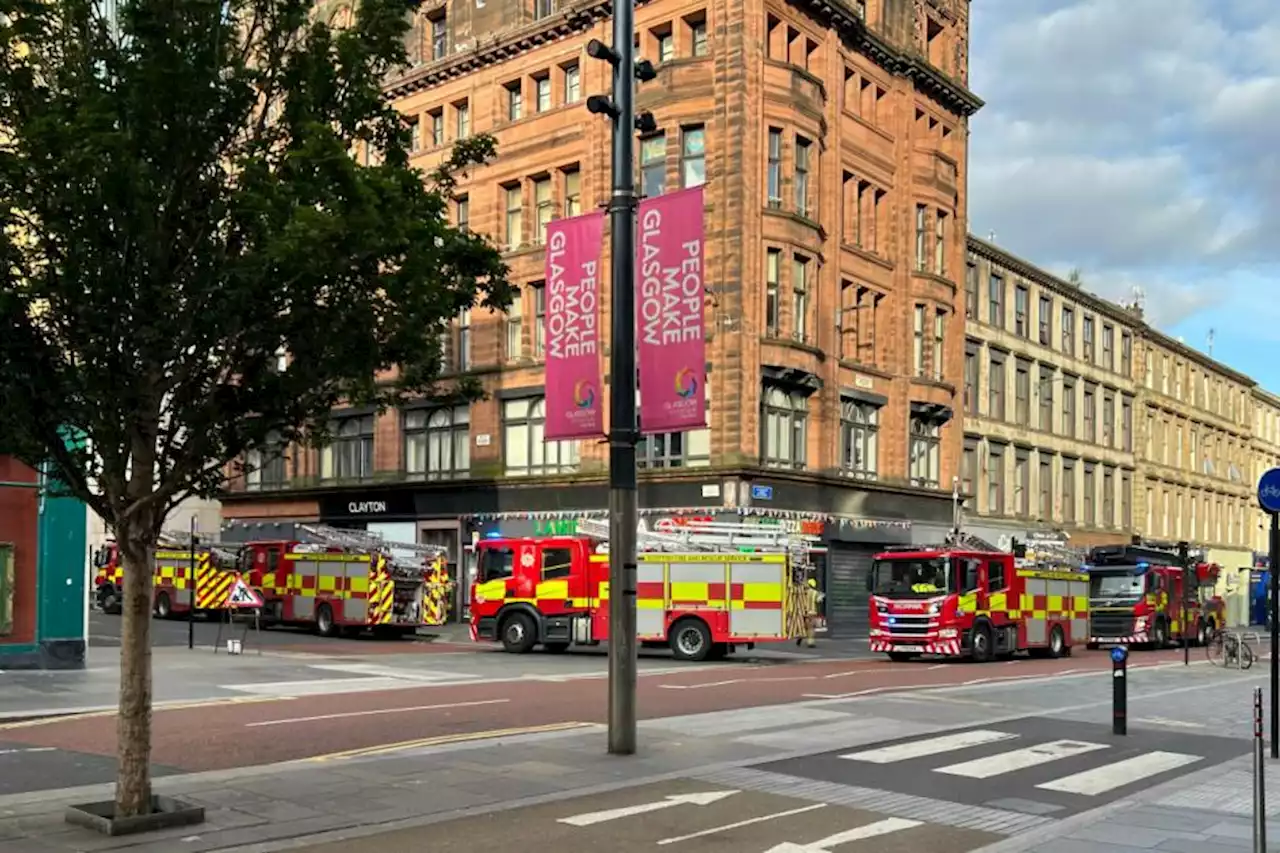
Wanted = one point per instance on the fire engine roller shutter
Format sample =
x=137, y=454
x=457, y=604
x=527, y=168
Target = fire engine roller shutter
x=846, y=603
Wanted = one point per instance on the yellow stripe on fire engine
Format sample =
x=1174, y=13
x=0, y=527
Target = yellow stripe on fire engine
x=327, y=583
x=552, y=589
x=650, y=604
x=711, y=558
x=1080, y=606
x=998, y=602
x=1044, y=574
x=762, y=591
x=492, y=590
x=328, y=558
x=359, y=583
x=690, y=591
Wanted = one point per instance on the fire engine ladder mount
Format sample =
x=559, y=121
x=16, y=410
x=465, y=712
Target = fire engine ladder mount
x=366, y=542
x=712, y=537
x=180, y=540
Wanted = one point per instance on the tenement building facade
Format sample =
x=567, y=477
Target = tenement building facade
x=1194, y=453
x=832, y=141
x=1265, y=456
x=1049, y=403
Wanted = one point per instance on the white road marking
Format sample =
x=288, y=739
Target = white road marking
x=705, y=798
x=929, y=746
x=871, y=830
x=376, y=711
x=940, y=666
x=1020, y=759
x=1099, y=780
x=740, y=824
x=26, y=751
x=1164, y=722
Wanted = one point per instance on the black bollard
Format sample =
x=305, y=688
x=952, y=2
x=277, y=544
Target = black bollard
x=1119, y=691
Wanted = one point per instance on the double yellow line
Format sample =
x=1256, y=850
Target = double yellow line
x=164, y=706
x=442, y=740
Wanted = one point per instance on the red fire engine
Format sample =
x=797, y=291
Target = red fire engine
x=339, y=582
x=1136, y=597
x=712, y=588
x=968, y=598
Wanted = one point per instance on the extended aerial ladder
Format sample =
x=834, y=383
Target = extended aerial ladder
x=363, y=541
x=714, y=537
x=181, y=540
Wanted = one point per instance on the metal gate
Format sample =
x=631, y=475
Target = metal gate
x=6, y=589
x=847, y=570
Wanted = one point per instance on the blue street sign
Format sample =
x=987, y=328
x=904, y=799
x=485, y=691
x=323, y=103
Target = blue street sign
x=1119, y=653
x=1269, y=491
x=762, y=493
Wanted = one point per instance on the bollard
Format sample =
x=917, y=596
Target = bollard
x=1119, y=691
x=1259, y=778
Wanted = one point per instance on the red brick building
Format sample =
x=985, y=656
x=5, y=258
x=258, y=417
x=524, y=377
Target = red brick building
x=832, y=139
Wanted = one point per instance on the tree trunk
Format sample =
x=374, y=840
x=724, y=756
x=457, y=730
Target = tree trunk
x=133, y=782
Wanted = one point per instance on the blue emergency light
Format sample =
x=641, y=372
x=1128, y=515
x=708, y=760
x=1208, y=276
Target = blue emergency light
x=1119, y=654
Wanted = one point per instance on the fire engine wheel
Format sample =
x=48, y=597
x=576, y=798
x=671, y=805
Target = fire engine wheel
x=164, y=608
x=1202, y=633
x=690, y=640
x=1160, y=635
x=1057, y=642
x=981, y=645
x=324, y=621
x=518, y=634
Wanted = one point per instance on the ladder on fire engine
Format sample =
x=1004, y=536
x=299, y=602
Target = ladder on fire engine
x=180, y=540
x=712, y=537
x=365, y=541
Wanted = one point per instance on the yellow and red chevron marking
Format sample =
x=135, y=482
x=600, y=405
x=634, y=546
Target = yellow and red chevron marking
x=435, y=595
x=213, y=586
x=381, y=596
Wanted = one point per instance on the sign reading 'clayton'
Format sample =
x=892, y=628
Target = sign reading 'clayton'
x=366, y=507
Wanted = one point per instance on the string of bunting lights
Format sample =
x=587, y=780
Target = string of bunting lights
x=694, y=511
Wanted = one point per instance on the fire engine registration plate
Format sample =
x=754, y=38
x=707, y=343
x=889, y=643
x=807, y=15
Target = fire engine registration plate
x=908, y=648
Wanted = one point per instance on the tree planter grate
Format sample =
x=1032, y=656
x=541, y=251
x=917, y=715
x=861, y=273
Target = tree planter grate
x=166, y=813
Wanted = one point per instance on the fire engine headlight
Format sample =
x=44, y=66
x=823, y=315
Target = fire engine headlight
x=882, y=608
x=948, y=634
x=935, y=608
x=1141, y=624
x=875, y=632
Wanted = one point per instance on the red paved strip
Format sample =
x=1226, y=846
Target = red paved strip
x=219, y=737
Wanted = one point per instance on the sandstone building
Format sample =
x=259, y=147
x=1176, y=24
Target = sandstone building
x=832, y=139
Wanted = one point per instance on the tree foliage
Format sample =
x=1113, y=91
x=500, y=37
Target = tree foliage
x=186, y=192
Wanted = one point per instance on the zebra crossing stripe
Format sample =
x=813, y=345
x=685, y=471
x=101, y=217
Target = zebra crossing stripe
x=1020, y=759
x=1108, y=777
x=929, y=746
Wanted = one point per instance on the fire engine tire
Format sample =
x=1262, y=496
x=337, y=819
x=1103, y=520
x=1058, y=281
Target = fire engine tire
x=1160, y=635
x=519, y=634
x=556, y=648
x=1057, y=642
x=164, y=607
x=325, y=626
x=982, y=644
x=690, y=640
x=1202, y=633
x=109, y=601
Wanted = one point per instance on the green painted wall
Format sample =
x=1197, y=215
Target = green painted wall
x=63, y=598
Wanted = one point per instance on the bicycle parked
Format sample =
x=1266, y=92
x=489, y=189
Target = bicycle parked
x=1228, y=649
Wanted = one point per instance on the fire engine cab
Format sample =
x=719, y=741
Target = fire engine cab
x=967, y=598
x=703, y=590
x=1136, y=595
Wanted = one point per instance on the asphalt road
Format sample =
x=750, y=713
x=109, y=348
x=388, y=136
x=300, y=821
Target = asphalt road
x=1037, y=765
x=315, y=724
x=679, y=815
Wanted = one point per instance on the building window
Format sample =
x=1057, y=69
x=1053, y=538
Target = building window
x=922, y=217
x=1126, y=355
x=1046, y=487
x=439, y=38
x=462, y=213
x=772, y=266
x=995, y=387
x=539, y=318
x=1109, y=419
x=415, y=134
x=542, y=92
x=1087, y=336
x=918, y=341
x=1126, y=504
x=514, y=217
x=1045, y=387
x=524, y=449
x=653, y=165
x=1068, y=331
x=995, y=301
x=1069, y=491
x=1126, y=424
x=436, y=117
x=1109, y=347
x=690, y=449
x=1046, y=320
x=515, y=329
x=926, y=443
x=800, y=296
x=572, y=192
x=265, y=467
x=515, y=101
x=349, y=456
x=1090, y=495
x=1021, y=305
x=785, y=427
x=803, y=147
x=939, y=343
x=1090, y=414
x=774, y=173
x=437, y=443
x=693, y=157
x=969, y=467
x=1108, y=497
x=1022, y=393
x=543, y=9
x=1069, y=408
x=464, y=340
x=462, y=116
x=572, y=84
x=995, y=479
x=698, y=35
x=1022, y=482
x=859, y=439
x=972, y=382
x=940, y=243
x=666, y=45
x=544, y=206
x=971, y=291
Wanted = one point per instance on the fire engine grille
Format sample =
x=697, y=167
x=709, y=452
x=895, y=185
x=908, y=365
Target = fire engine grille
x=1112, y=624
x=909, y=626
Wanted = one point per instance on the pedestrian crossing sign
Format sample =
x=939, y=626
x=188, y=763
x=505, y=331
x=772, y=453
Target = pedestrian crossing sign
x=243, y=596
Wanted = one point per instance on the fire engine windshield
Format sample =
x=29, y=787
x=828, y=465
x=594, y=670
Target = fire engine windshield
x=1116, y=585
x=911, y=576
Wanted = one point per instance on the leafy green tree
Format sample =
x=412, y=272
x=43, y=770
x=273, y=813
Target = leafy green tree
x=188, y=190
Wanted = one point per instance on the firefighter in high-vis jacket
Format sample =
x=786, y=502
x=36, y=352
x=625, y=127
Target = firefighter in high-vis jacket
x=812, y=598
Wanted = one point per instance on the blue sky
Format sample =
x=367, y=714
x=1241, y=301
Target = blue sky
x=1139, y=141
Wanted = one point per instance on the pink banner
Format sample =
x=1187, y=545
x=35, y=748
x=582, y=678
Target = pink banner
x=574, y=405
x=670, y=347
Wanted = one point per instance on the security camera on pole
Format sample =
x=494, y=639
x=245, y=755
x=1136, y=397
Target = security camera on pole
x=623, y=433
x=1269, y=500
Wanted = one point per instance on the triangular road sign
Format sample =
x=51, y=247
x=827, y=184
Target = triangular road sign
x=242, y=595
